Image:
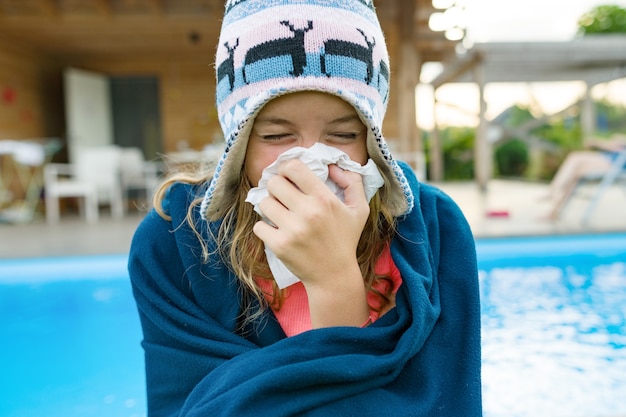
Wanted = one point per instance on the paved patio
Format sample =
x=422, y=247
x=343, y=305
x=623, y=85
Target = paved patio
x=519, y=209
x=516, y=210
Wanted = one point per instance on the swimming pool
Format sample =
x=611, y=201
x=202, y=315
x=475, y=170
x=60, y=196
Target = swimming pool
x=554, y=326
x=554, y=332
x=69, y=344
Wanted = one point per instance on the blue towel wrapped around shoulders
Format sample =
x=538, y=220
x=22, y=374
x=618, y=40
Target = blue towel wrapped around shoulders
x=420, y=359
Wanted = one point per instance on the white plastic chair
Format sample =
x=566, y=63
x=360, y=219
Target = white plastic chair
x=137, y=174
x=95, y=176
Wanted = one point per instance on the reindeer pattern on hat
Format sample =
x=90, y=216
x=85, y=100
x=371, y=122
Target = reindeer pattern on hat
x=278, y=49
x=293, y=47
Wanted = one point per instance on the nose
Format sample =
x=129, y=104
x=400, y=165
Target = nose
x=308, y=140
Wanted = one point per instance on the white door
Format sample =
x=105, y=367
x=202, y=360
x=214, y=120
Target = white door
x=88, y=110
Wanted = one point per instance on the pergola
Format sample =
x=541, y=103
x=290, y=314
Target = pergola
x=591, y=59
x=187, y=30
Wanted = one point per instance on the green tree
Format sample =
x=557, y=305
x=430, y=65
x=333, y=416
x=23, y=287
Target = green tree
x=603, y=19
x=512, y=158
x=457, y=144
x=458, y=154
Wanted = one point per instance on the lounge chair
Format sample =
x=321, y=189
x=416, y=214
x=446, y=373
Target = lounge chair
x=604, y=180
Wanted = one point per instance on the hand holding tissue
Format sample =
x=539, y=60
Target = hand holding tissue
x=317, y=158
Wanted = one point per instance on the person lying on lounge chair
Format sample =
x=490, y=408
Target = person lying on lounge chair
x=579, y=164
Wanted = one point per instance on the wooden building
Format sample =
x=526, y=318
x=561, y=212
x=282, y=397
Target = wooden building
x=158, y=57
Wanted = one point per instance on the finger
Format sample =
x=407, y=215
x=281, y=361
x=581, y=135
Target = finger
x=284, y=191
x=264, y=231
x=351, y=183
x=273, y=210
x=302, y=176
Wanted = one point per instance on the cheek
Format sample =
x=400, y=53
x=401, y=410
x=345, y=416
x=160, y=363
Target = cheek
x=358, y=153
x=361, y=157
x=255, y=163
x=253, y=170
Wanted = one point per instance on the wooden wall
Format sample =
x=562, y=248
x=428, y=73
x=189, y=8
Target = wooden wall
x=31, y=105
x=31, y=102
x=186, y=87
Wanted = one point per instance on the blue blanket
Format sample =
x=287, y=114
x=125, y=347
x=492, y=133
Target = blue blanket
x=420, y=359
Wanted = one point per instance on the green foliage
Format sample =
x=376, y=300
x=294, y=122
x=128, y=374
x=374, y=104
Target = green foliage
x=603, y=19
x=611, y=118
x=511, y=154
x=564, y=133
x=458, y=153
x=512, y=158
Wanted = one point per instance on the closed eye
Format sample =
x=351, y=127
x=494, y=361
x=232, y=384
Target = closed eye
x=346, y=135
x=275, y=137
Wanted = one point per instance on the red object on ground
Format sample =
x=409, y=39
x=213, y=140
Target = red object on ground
x=497, y=213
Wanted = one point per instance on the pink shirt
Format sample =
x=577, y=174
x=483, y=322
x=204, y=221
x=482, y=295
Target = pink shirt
x=294, y=316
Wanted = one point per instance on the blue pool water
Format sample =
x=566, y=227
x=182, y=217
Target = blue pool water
x=554, y=326
x=70, y=339
x=554, y=332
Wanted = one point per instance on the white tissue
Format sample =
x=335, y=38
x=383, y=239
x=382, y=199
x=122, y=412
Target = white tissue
x=317, y=158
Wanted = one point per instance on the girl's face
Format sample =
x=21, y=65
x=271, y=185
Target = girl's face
x=302, y=119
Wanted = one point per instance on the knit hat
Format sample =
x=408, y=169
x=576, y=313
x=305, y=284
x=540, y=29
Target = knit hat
x=269, y=48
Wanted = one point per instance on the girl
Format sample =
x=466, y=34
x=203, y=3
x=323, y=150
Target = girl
x=384, y=318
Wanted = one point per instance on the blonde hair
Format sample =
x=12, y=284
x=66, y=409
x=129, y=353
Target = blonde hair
x=244, y=253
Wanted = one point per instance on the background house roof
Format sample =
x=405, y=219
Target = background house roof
x=592, y=59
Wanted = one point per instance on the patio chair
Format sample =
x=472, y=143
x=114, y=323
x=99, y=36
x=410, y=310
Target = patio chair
x=94, y=177
x=604, y=180
x=137, y=174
